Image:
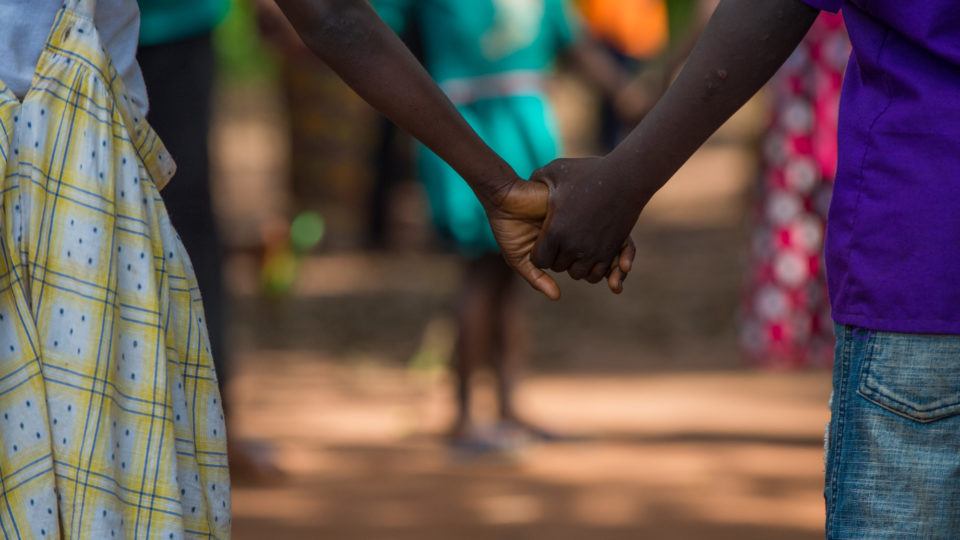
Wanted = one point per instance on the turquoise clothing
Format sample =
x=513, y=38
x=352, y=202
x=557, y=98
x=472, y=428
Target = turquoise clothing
x=490, y=56
x=163, y=21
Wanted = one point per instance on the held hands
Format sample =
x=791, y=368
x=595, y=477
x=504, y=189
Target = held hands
x=516, y=218
x=587, y=229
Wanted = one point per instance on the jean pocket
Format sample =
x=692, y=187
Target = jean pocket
x=913, y=375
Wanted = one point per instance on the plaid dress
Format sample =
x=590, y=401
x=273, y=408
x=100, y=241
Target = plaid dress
x=110, y=420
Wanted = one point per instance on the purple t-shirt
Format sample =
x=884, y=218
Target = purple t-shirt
x=893, y=239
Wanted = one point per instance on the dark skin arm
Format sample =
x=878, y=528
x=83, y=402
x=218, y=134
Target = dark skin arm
x=598, y=68
x=350, y=38
x=595, y=202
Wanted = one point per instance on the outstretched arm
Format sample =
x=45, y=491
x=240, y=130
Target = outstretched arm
x=349, y=37
x=358, y=46
x=595, y=202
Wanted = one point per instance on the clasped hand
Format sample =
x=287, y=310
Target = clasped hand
x=567, y=220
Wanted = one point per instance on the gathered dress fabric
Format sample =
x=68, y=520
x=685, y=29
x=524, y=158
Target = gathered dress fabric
x=111, y=423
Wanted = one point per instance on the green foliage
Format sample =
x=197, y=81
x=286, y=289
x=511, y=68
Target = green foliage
x=241, y=53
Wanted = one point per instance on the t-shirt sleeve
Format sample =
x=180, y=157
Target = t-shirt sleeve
x=832, y=6
x=564, y=23
x=396, y=13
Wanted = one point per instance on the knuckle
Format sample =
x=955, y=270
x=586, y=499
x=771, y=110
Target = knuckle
x=580, y=250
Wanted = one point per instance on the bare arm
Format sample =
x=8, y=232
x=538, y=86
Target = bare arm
x=350, y=37
x=741, y=48
x=595, y=202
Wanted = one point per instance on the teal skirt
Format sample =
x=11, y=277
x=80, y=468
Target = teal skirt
x=522, y=129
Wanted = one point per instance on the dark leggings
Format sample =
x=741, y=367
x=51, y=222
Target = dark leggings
x=179, y=79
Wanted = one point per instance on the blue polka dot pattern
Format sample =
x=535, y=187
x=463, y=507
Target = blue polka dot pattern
x=110, y=420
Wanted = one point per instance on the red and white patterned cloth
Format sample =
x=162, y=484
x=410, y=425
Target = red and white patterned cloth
x=787, y=312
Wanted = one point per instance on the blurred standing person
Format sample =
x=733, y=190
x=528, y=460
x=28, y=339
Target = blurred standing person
x=330, y=132
x=177, y=57
x=787, y=320
x=491, y=57
x=634, y=32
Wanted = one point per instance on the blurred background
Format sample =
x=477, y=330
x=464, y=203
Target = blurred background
x=691, y=406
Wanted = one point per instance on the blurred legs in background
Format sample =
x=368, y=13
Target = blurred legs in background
x=492, y=58
x=613, y=128
x=386, y=173
x=491, y=336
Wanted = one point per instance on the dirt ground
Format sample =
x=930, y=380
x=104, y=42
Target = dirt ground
x=668, y=456
x=671, y=436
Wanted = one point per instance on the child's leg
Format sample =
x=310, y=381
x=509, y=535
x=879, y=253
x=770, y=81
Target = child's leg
x=510, y=352
x=509, y=346
x=476, y=318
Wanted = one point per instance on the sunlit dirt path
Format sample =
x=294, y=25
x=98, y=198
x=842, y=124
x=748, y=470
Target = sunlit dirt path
x=671, y=456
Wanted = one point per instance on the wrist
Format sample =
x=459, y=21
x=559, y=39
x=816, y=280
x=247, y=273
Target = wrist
x=494, y=189
x=631, y=181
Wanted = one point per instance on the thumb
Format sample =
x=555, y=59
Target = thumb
x=537, y=278
x=528, y=200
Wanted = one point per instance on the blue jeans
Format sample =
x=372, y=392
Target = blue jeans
x=893, y=443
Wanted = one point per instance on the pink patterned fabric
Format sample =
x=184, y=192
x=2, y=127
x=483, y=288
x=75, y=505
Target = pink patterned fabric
x=786, y=313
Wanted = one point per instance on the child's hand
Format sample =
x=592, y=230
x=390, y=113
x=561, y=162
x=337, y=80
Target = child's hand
x=621, y=266
x=517, y=220
x=587, y=230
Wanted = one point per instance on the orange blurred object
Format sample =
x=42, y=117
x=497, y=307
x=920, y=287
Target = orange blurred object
x=638, y=28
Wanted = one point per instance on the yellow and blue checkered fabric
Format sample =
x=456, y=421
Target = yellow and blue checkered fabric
x=111, y=424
